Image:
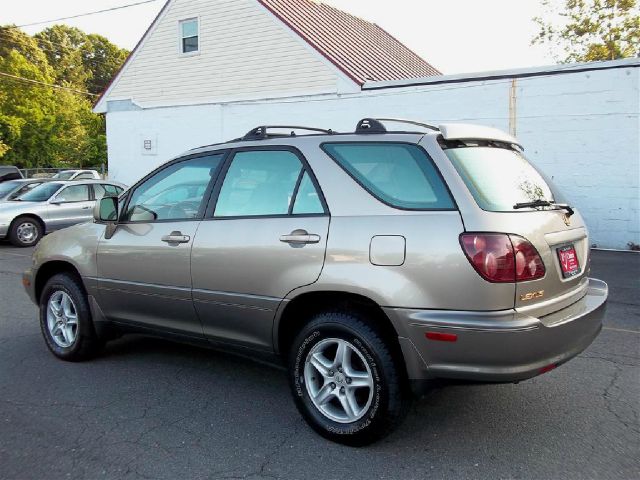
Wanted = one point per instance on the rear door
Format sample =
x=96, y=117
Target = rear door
x=265, y=234
x=499, y=178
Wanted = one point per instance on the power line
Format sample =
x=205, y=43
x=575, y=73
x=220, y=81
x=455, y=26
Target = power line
x=51, y=85
x=18, y=42
x=86, y=14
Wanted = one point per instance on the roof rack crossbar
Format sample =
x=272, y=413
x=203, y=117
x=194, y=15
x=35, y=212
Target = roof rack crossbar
x=410, y=122
x=262, y=132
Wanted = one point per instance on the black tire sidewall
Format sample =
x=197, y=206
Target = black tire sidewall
x=85, y=333
x=13, y=236
x=373, y=423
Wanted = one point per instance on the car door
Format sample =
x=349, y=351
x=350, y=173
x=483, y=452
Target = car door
x=144, y=274
x=71, y=205
x=264, y=235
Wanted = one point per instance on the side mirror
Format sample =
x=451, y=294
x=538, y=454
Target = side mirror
x=106, y=210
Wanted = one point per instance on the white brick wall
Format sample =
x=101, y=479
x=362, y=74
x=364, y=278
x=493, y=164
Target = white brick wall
x=581, y=129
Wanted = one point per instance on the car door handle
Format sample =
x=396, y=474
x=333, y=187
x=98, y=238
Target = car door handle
x=300, y=237
x=86, y=208
x=175, y=238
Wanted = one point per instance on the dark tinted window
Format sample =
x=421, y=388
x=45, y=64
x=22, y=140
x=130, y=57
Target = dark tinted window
x=399, y=174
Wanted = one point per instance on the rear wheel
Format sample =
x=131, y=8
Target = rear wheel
x=345, y=380
x=25, y=232
x=65, y=319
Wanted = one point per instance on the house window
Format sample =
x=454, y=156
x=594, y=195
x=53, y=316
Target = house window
x=189, y=35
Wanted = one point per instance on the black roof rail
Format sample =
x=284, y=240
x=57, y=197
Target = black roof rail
x=262, y=132
x=375, y=125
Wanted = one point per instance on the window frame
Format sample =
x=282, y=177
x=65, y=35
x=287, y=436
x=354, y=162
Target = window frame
x=54, y=198
x=209, y=214
x=454, y=207
x=206, y=198
x=181, y=38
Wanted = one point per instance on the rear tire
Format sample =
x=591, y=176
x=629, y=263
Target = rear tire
x=65, y=319
x=355, y=398
x=25, y=232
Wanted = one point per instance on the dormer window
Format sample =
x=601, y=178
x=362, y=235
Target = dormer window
x=189, y=36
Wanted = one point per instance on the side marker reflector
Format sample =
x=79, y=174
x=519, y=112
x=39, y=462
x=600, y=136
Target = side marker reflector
x=442, y=337
x=548, y=368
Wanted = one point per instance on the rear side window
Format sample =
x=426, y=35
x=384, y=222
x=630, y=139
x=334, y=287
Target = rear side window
x=398, y=174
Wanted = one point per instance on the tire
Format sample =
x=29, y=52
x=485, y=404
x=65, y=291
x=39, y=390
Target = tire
x=374, y=408
x=25, y=232
x=65, y=319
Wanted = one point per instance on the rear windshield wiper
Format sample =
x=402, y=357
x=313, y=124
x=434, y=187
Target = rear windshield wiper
x=544, y=203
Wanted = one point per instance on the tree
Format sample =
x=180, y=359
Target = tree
x=45, y=126
x=85, y=61
x=590, y=30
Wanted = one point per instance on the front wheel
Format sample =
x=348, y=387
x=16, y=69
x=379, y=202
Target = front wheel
x=345, y=380
x=65, y=319
x=25, y=232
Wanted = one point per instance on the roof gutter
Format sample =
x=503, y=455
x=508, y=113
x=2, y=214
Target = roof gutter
x=505, y=74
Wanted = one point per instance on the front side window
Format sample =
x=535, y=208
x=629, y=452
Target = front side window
x=189, y=40
x=499, y=178
x=75, y=193
x=259, y=182
x=150, y=201
x=398, y=174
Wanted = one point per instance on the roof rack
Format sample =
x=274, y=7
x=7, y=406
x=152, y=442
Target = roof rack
x=262, y=132
x=375, y=125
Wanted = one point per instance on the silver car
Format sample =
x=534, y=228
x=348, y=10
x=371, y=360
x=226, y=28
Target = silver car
x=368, y=263
x=50, y=206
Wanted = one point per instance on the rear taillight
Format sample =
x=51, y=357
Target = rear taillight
x=502, y=258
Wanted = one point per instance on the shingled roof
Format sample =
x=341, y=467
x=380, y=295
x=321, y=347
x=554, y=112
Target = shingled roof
x=362, y=50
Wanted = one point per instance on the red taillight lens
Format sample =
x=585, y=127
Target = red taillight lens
x=502, y=258
x=529, y=265
x=491, y=254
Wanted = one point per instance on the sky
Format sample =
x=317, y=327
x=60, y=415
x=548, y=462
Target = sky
x=455, y=36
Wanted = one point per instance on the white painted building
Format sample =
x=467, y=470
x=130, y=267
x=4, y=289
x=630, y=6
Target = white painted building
x=207, y=72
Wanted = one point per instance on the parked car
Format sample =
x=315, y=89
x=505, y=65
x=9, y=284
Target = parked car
x=9, y=173
x=368, y=263
x=12, y=189
x=51, y=206
x=77, y=175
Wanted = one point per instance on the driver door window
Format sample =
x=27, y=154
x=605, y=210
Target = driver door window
x=174, y=193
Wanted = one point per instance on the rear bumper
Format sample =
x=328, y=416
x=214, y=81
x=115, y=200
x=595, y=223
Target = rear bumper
x=502, y=346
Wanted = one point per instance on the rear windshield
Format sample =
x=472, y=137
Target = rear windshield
x=398, y=174
x=499, y=178
x=41, y=193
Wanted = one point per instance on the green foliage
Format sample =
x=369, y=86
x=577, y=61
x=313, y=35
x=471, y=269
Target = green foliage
x=590, y=30
x=43, y=126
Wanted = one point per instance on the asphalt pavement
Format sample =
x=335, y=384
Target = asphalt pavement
x=147, y=408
